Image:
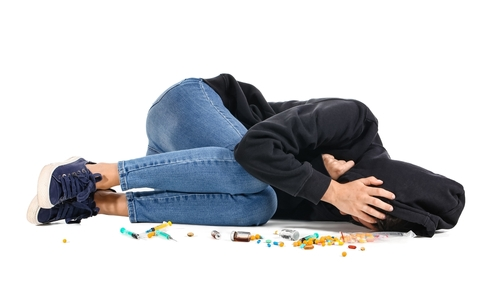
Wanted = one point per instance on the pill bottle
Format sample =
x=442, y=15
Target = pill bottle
x=289, y=234
x=240, y=236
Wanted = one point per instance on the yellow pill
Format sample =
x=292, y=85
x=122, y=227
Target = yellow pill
x=344, y=253
x=281, y=244
x=190, y=234
x=362, y=248
x=64, y=240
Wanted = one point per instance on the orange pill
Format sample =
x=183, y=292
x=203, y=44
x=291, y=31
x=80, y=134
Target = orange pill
x=309, y=246
x=344, y=253
x=64, y=240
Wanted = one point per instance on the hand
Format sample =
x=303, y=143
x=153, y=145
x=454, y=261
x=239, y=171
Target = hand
x=370, y=226
x=336, y=167
x=359, y=198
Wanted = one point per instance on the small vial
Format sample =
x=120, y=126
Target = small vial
x=240, y=236
x=289, y=234
x=215, y=234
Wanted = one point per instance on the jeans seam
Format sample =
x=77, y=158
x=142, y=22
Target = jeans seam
x=218, y=110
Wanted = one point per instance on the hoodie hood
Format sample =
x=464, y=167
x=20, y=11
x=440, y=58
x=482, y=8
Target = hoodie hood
x=431, y=200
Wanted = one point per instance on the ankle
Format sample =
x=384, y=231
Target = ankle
x=109, y=173
x=111, y=203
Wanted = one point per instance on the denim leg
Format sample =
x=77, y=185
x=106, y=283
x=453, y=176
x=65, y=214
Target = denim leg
x=202, y=209
x=189, y=115
x=198, y=170
x=190, y=165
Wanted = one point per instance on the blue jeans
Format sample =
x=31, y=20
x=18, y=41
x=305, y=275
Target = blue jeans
x=189, y=171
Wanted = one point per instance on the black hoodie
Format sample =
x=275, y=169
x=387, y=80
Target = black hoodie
x=283, y=147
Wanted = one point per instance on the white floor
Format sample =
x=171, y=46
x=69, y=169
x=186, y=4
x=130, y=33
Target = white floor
x=79, y=79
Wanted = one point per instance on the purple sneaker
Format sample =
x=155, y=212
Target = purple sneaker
x=71, y=211
x=66, y=180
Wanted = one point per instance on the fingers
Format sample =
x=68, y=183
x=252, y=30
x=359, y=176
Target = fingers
x=372, y=202
x=336, y=167
x=379, y=192
x=365, y=223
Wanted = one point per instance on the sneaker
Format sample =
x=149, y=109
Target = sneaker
x=71, y=211
x=66, y=180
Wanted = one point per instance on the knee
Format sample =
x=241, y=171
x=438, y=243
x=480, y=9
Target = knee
x=259, y=210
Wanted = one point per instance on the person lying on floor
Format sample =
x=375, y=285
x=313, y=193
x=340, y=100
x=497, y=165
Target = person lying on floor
x=220, y=154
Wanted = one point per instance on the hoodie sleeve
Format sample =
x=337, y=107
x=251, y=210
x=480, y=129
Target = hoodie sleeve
x=279, y=149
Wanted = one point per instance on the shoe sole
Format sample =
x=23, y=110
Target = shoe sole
x=32, y=213
x=44, y=180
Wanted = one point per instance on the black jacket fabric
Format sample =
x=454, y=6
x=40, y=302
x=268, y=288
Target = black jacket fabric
x=283, y=147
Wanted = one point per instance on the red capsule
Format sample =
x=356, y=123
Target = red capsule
x=351, y=247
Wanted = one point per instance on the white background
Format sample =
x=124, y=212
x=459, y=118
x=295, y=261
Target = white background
x=78, y=77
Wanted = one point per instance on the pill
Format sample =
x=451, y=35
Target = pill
x=344, y=253
x=362, y=248
x=351, y=247
x=190, y=234
x=64, y=240
x=309, y=246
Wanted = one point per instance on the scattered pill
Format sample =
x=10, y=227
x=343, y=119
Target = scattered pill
x=351, y=247
x=309, y=247
x=344, y=253
x=362, y=248
x=190, y=234
x=64, y=240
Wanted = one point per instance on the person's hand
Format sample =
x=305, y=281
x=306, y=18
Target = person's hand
x=336, y=167
x=368, y=225
x=359, y=198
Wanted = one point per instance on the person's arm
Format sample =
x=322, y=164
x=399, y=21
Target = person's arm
x=275, y=151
